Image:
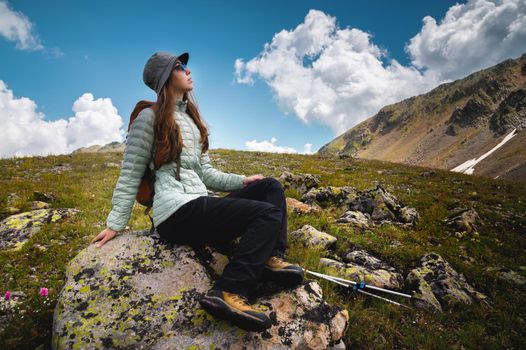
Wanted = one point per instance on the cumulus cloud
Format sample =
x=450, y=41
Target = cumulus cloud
x=271, y=146
x=25, y=132
x=344, y=80
x=339, y=77
x=470, y=37
x=16, y=27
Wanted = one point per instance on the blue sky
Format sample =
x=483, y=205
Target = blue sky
x=53, y=53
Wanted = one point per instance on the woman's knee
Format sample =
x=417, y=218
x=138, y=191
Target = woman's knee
x=273, y=183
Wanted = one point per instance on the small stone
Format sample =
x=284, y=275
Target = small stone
x=300, y=207
x=39, y=205
x=356, y=218
x=311, y=237
x=40, y=247
x=12, y=198
x=11, y=210
x=44, y=196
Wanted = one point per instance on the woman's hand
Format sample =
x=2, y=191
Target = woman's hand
x=105, y=236
x=249, y=179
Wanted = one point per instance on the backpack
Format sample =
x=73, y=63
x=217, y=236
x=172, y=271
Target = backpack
x=146, y=187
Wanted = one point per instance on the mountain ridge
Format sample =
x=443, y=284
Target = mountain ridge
x=453, y=123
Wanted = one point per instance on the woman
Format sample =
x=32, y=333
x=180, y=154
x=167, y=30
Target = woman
x=175, y=136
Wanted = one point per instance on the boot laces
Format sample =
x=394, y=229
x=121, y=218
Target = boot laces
x=279, y=261
x=239, y=298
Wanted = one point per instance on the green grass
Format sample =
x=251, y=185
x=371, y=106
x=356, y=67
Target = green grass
x=374, y=324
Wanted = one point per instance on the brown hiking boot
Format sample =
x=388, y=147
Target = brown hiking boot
x=235, y=308
x=279, y=270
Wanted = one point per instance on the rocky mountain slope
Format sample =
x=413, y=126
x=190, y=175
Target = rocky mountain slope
x=456, y=126
x=110, y=147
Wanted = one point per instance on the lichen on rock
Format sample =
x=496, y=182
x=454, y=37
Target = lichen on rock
x=438, y=285
x=16, y=230
x=138, y=290
x=309, y=236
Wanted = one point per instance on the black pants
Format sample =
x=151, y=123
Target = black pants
x=257, y=213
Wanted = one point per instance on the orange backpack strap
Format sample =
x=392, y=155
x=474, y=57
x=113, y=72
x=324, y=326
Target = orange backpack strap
x=138, y=108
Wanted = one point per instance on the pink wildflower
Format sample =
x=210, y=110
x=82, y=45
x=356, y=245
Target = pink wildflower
x=7, y=295
x=43, y=291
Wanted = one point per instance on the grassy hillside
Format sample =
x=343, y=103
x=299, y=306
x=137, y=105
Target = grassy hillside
x=501, y=205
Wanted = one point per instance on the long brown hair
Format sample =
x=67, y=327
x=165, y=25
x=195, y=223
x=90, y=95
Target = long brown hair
x=167, y=132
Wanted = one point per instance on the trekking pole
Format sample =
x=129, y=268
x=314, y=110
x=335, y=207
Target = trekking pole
x=334, y=279
x=359, y=289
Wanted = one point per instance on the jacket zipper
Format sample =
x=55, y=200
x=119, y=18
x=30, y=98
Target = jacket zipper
x=193, y=143
x=189, y=122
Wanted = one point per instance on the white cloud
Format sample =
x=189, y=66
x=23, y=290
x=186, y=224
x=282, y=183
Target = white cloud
x=270, y=146
x=347, y=81
x=339, y=77
x=24, y=131
x=15, y=26
x=470, y=37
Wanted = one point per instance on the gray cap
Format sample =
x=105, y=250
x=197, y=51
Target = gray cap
x=158, y=68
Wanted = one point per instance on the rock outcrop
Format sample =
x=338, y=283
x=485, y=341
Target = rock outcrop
x=355, y=218
x=301, y=183
x=114, y=146
x=299, y=207
x=378, y=206
x=464, y=223
x=324, y=197
x=438, y=285
x=16, y=230
x=361, y=266
x=311, y=237
x=142, y=292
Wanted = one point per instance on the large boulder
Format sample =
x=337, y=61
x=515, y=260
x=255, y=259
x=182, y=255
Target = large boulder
x=138, y=291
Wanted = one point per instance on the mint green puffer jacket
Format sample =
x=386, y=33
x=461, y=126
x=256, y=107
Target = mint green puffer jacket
x=196, y=172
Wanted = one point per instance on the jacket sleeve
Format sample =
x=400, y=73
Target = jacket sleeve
x=217, y=180
x=137, y=153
